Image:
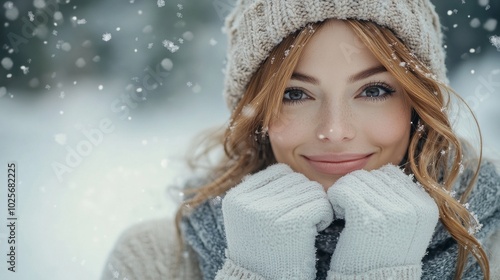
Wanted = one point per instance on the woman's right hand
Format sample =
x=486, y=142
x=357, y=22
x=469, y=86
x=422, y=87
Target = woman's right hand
x=271, y=220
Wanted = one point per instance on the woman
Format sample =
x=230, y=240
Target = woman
x=339, y=158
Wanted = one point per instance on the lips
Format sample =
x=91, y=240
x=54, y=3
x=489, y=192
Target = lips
x=337, y=164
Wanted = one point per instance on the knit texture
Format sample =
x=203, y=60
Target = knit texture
x=149, y=251
x=203, y=230
x=231, y=271
x=284, y=211
x=389, y=223
x=399, y=272
x=255, y=27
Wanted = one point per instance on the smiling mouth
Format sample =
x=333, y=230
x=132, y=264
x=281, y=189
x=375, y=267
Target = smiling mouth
x=338, y=164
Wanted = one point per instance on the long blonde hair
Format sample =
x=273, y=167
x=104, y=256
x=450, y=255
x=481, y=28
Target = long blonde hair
x=435, y=154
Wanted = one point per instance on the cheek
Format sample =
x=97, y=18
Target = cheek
x=390, y=128
x=285, y=135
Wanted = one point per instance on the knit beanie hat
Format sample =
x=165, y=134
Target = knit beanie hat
x=255, y=27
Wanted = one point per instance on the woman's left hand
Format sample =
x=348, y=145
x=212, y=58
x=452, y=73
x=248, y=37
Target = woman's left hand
x=389, y=224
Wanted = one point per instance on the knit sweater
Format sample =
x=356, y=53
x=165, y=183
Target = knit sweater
x=149, y=250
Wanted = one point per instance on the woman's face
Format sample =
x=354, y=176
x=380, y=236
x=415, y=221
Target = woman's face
x=342, y=110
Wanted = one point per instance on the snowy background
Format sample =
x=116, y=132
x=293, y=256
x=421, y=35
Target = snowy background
x=100, y=99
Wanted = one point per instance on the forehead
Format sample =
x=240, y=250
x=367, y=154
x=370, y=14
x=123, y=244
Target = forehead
x=335, y=45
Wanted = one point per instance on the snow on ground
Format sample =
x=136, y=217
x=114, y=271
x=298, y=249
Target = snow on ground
x=67, y=227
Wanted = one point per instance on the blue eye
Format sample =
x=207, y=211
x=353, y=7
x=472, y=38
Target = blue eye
x=377, y=91
x=294, y=95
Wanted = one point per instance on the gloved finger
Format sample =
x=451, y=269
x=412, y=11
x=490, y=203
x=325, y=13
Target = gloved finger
x=319, y=213
x=350, y=193
x=292, y=185
x=401, y=182
x=305, y=192
x=264, y=177
x=408, y=190
x=426, y=211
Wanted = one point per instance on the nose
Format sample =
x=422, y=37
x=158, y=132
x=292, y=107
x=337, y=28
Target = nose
x=336, y=123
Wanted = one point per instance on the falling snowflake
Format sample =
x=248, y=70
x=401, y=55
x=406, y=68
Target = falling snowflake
x=7, y=63
x=490, y=25
x=475, y=23
x=60, y=138
x=106, y=37
x=39, y=4
x=11, y=12
x=167, y=64
x=31, y=16
x=161, y=3
x=188, y=35
x=495, y=41
x=25, y=69
x=248, y=111
x=483, y=2
x=196, y=88
x=58, y=16
x=3, y=91
x=170, y=46
x=80, y=62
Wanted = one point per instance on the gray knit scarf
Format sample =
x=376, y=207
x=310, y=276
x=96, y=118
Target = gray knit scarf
x=203, y=230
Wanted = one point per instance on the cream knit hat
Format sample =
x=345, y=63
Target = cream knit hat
x=255, y=27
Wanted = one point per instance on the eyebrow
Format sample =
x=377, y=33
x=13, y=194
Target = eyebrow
x=353, y=78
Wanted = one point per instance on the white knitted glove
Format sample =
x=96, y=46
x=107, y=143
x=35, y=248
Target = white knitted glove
x=389, y=224
x=271, y=220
